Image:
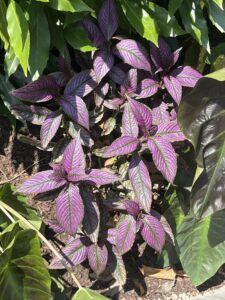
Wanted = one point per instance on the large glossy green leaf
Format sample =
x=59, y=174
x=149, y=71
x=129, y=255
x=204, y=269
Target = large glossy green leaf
x=3, y=24
x=216, y=14
x=70, y=5
x=201, y=245
x=56, y=31
x=19, y=34
x=11, y=62
x=40, y=40
x=140, y=20
x=219, y=3
x=174, y=5
x=23, y=273
x=87, y=294
x=202, y=118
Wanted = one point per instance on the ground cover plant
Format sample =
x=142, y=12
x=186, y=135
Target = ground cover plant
x=109, y=114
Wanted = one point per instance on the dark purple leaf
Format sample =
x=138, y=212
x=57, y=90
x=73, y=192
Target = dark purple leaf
x=153, y=233
x=147, y=88
x=164, y=157
x=81, y=84
x=141, y=182
x=60, y=78
x=108, y=19
x=103, y=62
x=41, y=90
x=97, y=257
x=74, y=130
x=75, y=252
x=59, y=171
x=129, y=122
x=41, y=182
x=125, y=233
x=117, y=75
x=94, y=33
x=49, y=128
x=100, y=94
x=132, y=53
x=54, y=225
x=160, y=113
x=174, y=87
x=76, y=109
x=101, y=177
x=113, y=104
x=117, y=267
x=129, y=86
x=162, y=55
x=186, y=76
x=70, y=209
x=142, y=114
x=111, y=236
x=170, y=131
x=132, y=207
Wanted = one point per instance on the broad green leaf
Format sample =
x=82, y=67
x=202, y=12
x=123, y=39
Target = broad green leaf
x=202, y=117
x=56, y=31
x=23, y=274
x=219, y=3
x=74, y=17
x=3, y=24
x=139, y=18
x=218, y=75
x=70, y=5
x=8, y=234
x=40, y=40
x=174, y=5
x=77, y=37
x=216, y=14
x=11, y=62
x=87, y=294
x=194, y=22
x=201, y=245
x=19, y=34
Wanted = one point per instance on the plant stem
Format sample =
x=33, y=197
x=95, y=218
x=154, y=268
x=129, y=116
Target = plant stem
x=7, y=209
x=7, y=214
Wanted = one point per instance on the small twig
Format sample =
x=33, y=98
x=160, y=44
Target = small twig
x=7, y=214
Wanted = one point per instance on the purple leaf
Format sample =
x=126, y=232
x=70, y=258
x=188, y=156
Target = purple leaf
x=129, y=123
x=41, y=90
x=125, y=234
x=74, y=158
x=81, y=84
x=113, y=103
x=170, y=131
x=147, y=88
x=174, y=87
x=111, y=236
x=91, y=219
x=132, y=53
x=162, y=55
x=142, y=114
x=70, y=209
x=141, y=182
x=49, y=128
x=54, y=225
x=117, y=75
x=59, y=171
x=100, y=94
x=97, y=257
x=94, y=33
x=160, y=113
x=117, y=267
x=121, y=146
x=164, y=157
x=75, y=252
x=60, y=78
x=132, y=207
x=41, y=182
x=186, y=76
x=103, y=62
x=129, y=86
x=153, y=233
x=76, y=109
x=74, y=130
x=101, y=177
x=108, y=19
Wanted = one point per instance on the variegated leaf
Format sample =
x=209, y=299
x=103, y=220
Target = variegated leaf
x=147, y=88
x=186, y=76
x=129, y=122
x=97, y=257
x=103, y=62
x=108, y=19
x=142, y=114
x=174, y=87
x=101, y=177
x=170, y=131
x=117, y=267
x=49, y=128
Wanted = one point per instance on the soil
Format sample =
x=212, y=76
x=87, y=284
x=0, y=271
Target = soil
x=18, y=161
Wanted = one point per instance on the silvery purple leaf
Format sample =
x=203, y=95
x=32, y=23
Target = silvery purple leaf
x=117, y=267
x=174, y=87
x=41, y=182
x=125, y=233
x=103, y=62
x=132, y=207
x=170, y=131
x=147, y=88
x=129, y=86
x=74, y=158
x=54, y=225
x=94, y=34
x=186, y=76
x=113, y=104
x=81, y=84
x=164, y=157
x=133, y=53
x=117, y=74
x=162, y=55
x=98, y=258
x=58, y=169
x=60, y=78
x=111, y=236
x=152, y=232
x=141, y=182
x=121, y=146
x=100, y=94
x=160, y=113
x=41, y=90
x=101, y=177
x=75, y=252
x=70, y=209
x=142, y=114
x=74, y=130
x=129, y=122
x=33, y=114
x=76, y=109
x=108, y=19
x=49, y=128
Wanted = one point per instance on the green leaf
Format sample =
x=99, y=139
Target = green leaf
x=201, y=245
x=70, y=5
x=174, y=5
x=42, y=0
x=56, y=31
x=218, y=75
x=87, y=294
x=40, y=40
x=141, y=21
x=77, y=37
x=219, y=3
x=216, y=14
x=8, y=234
x=23, y=274
x=11, y=62
x=74, y=17
x=6, y=113
x=19, y=34
x=3, y=24
x=202, y=117
x=194, y=22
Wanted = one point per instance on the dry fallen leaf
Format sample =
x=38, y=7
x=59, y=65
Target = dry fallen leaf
x=166, y=274
x=109, y=162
